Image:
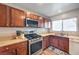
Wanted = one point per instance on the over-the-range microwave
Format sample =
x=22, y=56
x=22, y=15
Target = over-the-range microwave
x=31, y=23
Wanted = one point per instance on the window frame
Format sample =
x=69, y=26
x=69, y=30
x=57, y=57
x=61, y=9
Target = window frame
x=63, y=25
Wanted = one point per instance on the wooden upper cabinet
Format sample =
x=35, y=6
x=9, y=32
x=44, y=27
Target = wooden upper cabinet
x=32, y=16
x=47, y=23
x=41, y=22
x=36, y=17
x=17, y=17
x=28, y=14
x=13, y=17
x=3, y=15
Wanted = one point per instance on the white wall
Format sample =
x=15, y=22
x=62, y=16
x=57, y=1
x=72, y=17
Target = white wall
x=66, y=15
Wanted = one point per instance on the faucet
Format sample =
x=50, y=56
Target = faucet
x=62, y=34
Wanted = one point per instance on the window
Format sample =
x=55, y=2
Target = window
x=65, y=25
x=57, y=25
x=70, y=24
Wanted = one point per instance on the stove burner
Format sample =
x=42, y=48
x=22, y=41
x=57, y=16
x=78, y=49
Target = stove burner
x=32, y=36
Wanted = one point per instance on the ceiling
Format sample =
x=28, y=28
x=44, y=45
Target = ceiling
x=46, y=9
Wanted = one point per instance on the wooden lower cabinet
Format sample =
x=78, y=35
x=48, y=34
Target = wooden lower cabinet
x=14, y=49
x=45, y=42
x=7, y=51
x=61, y=43
x=22, y=48
x=53, y=41
x=64, y=44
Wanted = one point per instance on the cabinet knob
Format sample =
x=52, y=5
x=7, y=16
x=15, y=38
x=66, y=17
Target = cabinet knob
x=7, y=24
x=7, y=48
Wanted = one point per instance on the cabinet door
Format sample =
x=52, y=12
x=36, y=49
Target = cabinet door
x=51, y=40
x=21, y=51
x=47, y=23
x=61, y=44
x=45, y=42
x=36, y=17
x=22, y=48
x=3, y=15
x=41, y=23
x=17, y=17
x=31, y=16
x=64, y=44
x=54, y=41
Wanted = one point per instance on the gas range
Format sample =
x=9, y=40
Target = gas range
x=33, y=37
x=35, y=43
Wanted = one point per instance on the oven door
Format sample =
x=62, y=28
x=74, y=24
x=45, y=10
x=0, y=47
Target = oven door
x=36, y=48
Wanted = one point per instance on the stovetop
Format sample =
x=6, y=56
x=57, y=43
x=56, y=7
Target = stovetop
x=32, y=36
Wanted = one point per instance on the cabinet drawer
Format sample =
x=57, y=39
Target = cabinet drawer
x=22, y=44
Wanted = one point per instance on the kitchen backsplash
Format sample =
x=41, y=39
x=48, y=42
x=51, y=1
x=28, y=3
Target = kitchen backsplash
x=4, y=31
x=66, y=33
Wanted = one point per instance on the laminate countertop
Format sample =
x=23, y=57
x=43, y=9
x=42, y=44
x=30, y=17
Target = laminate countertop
x=11, y=41
x=71, y=38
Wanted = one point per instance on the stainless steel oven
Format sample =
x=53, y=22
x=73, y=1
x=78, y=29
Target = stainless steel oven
x=35, y=46
x=35, y=43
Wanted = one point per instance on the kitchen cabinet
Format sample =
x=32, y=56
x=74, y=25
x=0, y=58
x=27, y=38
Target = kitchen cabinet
x=31, y=16
x=47, y=23
x=17, y=17
x=27, y=14
x=64, y=44
x=3, y=15
x=22, y=48
x=34, y=17
x=14, y=49
x=61, y=43
x=54, y=41
x=41, y=22
x=45, y=42
x=13, y=17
